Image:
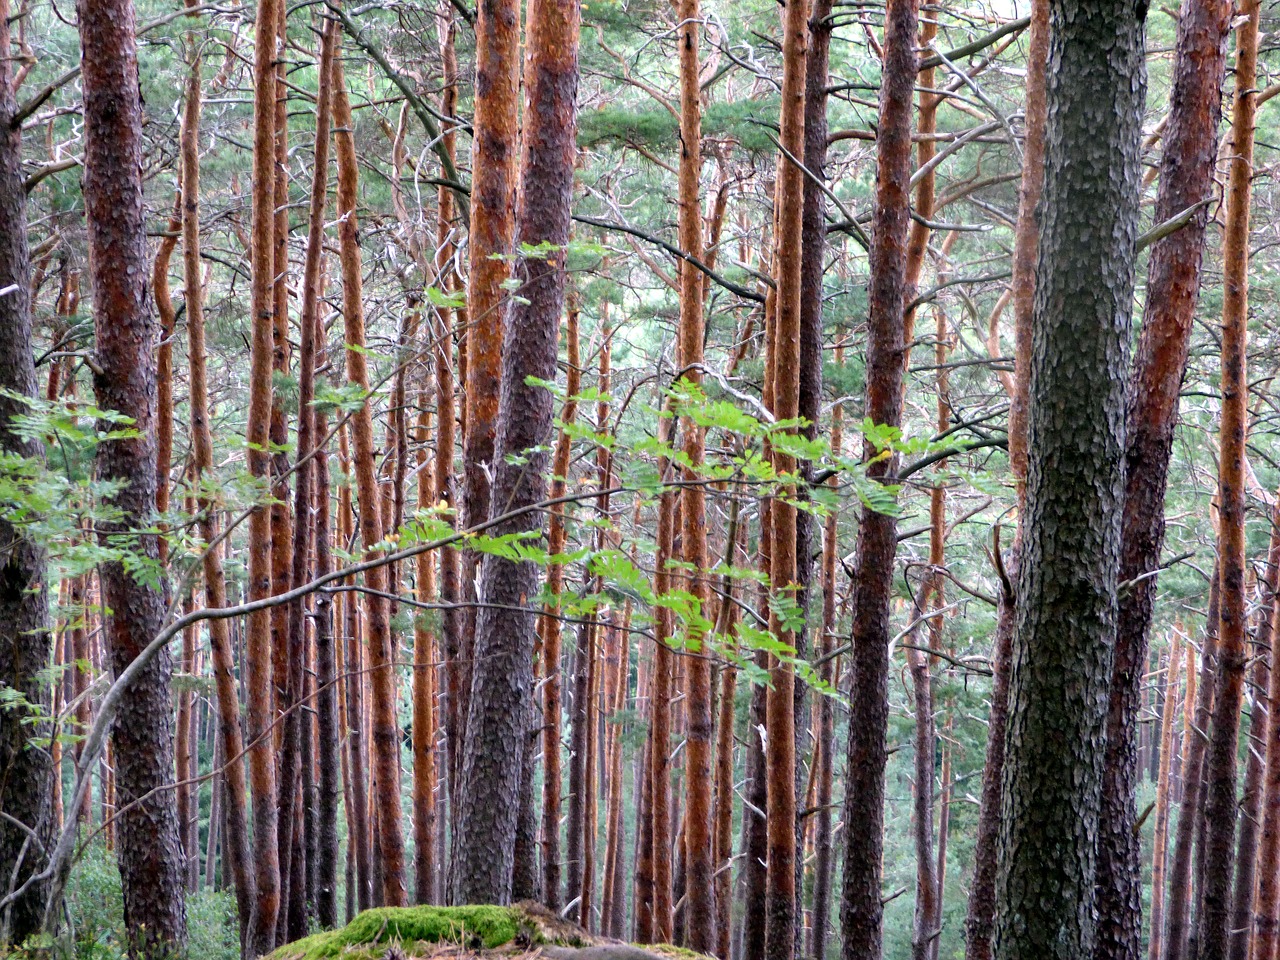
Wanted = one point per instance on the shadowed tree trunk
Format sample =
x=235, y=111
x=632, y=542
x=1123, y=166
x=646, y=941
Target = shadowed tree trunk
x=148, y=847
x=1067, y=579
x=1173, y=284
x=861, y=909
x=24, y=638
x=1220, y=762
x=500, y=706
x=981, y=913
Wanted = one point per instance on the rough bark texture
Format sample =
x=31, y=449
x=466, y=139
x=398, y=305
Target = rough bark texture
x=1173, y=284
x=1027, y=234
x=861, y=910
x=1067, y=595
x=25, y=773
x=500, y=706
x=981, y=908
x=148, y=846
x=1220, y=763
x=494, y=156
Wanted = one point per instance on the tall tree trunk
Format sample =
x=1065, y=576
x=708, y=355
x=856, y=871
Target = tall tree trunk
x=861, y=913
x=312, y=495
x=823, y=841
x=235, y=843
x=1160, y=844
x=292, y=758
x=1173, y=284
x=780, y=751
x=1220, y=763
x=495, y=152
x=386, y=730
x=149, y=848
x=450, y=587
x=24, y=637
x=550, y=632
x=700, y=908
x=981, y=912
x=500, y=705
x=926, y=916
x=1067, y=580
x=424, y=773
x=262, y=926
x=328, y=734
x=660, y=698
x=1189, y=818
x=1249, y=817
x=925, y=739
x=353, y=711
x=725, y=628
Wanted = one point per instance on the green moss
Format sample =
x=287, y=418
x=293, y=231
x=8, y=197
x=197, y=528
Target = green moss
x=483, y=926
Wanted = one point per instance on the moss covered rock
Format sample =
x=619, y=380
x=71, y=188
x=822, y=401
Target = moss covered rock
x=402, y=933
x=480, y=927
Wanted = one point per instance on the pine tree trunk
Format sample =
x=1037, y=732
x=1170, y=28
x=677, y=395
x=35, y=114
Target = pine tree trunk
x=149, y=847
x=1179, y=903
x=1161, y=839
x=24, y=638
x=862, y=913
x=1220, y=763
x=386, y=730
x=660, y=724
x=500, y=704
x=1249, y=817
x=262, y=764
x=780, y=703
x=1173, y=281
x=700, y=902
x=424, y=773
x=1069, y=563
x=981, y=912
x=550, y=626
x=495, y=155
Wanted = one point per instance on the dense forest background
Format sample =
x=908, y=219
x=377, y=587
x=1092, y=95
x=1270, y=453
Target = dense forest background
x=313, y=194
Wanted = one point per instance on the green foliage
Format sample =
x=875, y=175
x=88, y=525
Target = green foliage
x=95, y=909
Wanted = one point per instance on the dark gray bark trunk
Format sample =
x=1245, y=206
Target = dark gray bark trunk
x=1067, y=593
x=25, y=770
